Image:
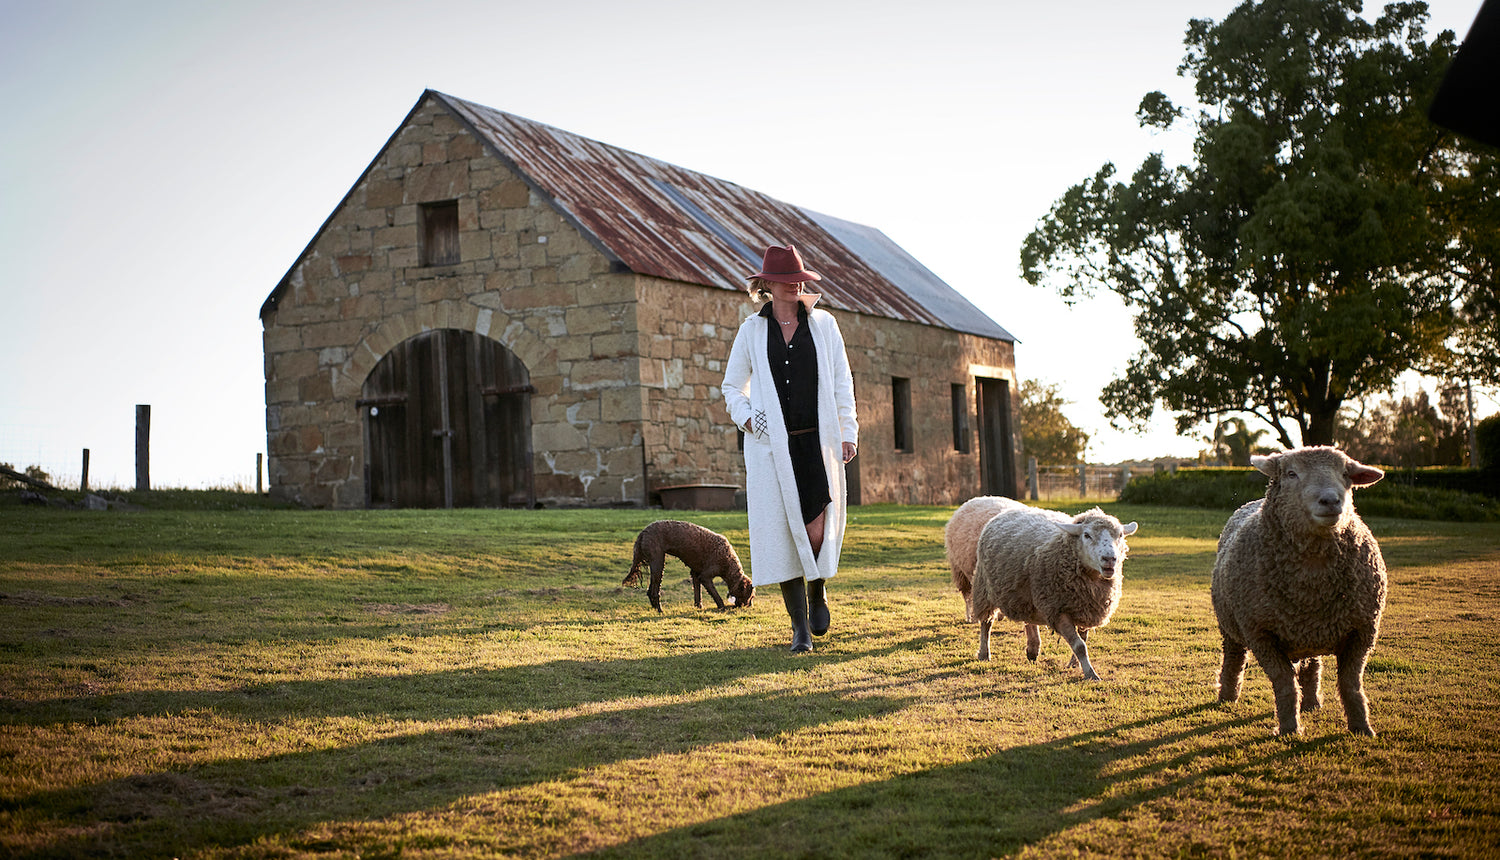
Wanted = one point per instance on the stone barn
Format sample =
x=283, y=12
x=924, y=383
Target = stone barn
x=500, y=313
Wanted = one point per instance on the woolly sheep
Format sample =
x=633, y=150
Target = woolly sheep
x=961, y=540
x=1299, y=575
x=1040, y=567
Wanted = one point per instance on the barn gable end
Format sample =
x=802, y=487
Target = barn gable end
x=472, y=220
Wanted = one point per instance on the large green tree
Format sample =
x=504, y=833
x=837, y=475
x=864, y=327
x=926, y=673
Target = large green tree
x=1324, y=240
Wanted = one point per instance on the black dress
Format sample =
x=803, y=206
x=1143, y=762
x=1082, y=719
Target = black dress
x=795, y=366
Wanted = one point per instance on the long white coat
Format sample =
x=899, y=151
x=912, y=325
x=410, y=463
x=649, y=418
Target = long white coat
x=779, y=547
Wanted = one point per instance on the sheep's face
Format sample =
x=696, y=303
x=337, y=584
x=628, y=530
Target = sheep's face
x=1101, y=541
x=1318, y=481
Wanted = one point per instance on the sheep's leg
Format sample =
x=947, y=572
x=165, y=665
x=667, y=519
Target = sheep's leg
x=654, y=592
x=1310, y=679
x=968, y=608
x=1279, y=669
x=1073, y=659
x=1033, y=642
x=1351, y=660
x=984, y=636
x=1232, y=670
x=1069, y=631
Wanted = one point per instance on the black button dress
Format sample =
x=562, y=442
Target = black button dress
x=795, y=367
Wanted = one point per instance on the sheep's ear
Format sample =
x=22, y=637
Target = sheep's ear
x=1265, y=465
x=1361, y=475
x=1129, y=529
x=1074, y=529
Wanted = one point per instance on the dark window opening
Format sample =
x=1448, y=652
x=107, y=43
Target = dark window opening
x=960, y=418
x=440, y=233
x=901, y=412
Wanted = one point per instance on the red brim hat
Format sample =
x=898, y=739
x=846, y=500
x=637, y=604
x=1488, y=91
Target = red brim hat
x=784, y=266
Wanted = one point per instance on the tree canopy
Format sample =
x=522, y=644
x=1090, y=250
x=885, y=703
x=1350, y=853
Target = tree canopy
x=1046, y=433
x=1326, y=238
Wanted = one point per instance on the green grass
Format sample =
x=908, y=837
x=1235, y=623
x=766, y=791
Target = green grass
x=262, y=683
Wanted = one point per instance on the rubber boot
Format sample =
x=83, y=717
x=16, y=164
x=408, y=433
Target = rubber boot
x=817, y=607
x=794, y=593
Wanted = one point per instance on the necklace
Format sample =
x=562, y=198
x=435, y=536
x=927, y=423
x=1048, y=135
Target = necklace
x=788, y=322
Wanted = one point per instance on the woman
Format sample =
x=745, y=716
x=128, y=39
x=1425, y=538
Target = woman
x=800, y=430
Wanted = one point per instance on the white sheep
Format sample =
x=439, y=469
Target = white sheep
x=961, y=540
x=1041, y=567
x=1299, y=575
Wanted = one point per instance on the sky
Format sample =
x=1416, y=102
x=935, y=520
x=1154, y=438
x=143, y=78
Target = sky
x=162, y=164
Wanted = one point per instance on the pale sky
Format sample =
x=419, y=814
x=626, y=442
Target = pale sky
x=163, y=163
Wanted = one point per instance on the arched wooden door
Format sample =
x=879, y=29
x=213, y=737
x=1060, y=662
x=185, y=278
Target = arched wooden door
x=447, y=419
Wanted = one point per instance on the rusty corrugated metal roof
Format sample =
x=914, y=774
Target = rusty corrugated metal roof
x=658, y=219
x=655, y=218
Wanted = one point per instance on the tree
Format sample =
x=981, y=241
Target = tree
x=1410, y=432
x=1234, y=442
x=1321, y=243
x=1046, y=433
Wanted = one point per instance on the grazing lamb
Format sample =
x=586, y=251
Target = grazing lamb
x=1299, y=575
x=961, y=539
x=706, y=553
x=1040, y=567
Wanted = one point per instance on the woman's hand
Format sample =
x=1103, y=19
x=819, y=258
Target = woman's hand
x=849, y=451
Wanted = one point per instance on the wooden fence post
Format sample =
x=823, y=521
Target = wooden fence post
x=1031, y=478
x=258, y=457
x=143, y=447
x=83, y=482
x=1083, y=480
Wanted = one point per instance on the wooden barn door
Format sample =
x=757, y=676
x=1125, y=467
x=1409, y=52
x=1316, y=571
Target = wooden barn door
x=997, y=455
x=448, y=424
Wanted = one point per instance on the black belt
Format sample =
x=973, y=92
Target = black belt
x=801, y=432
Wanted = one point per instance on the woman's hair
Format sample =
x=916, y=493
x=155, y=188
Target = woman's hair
x=760, y=290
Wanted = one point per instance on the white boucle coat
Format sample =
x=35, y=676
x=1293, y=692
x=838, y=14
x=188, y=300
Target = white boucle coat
x=1299, y=575
x=961, y=541
x=780, y=549
x=1041, y=567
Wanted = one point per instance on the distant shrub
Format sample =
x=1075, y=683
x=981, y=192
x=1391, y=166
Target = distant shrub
x=1487, y=437
x=1196, y=488
x=1227, y=489
x=36, y=473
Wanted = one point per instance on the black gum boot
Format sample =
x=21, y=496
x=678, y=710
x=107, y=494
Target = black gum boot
x=817, y=607
x=794, y=593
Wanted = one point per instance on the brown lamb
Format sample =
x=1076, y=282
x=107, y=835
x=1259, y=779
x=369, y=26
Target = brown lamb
x=706, y=553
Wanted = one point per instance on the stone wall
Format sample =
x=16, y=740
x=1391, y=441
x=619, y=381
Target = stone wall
x=933, y=472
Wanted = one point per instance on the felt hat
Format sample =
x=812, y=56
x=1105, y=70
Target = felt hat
x=784, y=266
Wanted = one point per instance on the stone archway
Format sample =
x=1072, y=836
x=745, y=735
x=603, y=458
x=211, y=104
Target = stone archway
x=447, y=423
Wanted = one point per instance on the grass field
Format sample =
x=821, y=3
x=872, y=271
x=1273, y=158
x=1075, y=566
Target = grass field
x=276, y=683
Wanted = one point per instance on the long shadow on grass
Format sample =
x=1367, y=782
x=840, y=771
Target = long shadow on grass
x=515, y=739
x=987, y=807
